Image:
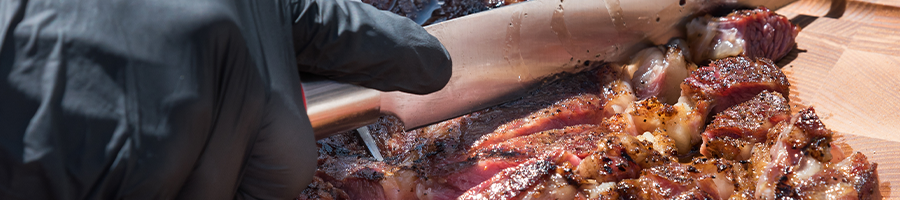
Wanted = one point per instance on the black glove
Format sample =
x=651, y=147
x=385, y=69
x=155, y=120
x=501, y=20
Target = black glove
x=353, y=42
x=160, y=99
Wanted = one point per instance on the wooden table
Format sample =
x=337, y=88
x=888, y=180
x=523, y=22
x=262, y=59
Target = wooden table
x=847, y=66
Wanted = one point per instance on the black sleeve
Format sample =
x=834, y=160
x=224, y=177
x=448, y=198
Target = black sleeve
x=351, y=41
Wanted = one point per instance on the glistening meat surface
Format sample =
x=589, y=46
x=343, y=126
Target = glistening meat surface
x=734, y=131
x=629, y=131
x=757, y=33
x=733, y=80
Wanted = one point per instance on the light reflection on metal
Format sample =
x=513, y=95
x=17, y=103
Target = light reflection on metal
x=370, y=142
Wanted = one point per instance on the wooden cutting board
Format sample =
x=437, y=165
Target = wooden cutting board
x=847, y=66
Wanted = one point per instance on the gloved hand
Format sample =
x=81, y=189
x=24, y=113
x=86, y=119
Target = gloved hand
x=162, y=99
x=351, y=41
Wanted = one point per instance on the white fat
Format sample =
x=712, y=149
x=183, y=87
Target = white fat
x=595, y=191
x=400, y=185
x=620, y=102
x=723, y=185
x=840, y=191
x=700, y=35
x=647, y=136
x=684, y=128
x=676, y=71
x=618, y=109
x=746, y=152
x=728, y=45
x=424, y=193
x=808, y=168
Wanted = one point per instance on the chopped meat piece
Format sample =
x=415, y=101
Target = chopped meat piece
x=757, y=33
x=795, y=163
x=733, y=80
x=614, y=164
x=341, y=162
x=860, y=173
x=728, y=176
x=677, y=181
x=681, y=122
x=657, y=71
x=319, y=189
x=733, y=132
x=650, y=114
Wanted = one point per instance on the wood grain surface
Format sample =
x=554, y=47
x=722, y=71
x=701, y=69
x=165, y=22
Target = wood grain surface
x=847, y=65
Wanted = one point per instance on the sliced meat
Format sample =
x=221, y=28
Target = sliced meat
x=581, y=109
x=516, y=181
x=446, y=139
x=734, y=131
x=580, y=140
x=657, y=71
x=757, y=33
x=733, y=80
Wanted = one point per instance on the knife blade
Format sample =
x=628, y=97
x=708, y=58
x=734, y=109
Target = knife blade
x=502, y=54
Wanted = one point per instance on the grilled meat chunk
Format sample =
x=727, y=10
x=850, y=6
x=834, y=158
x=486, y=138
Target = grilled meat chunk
x=733, y=80
x=757, y=33
x=796, y=163
x=319, y=189
x=621, y=156
x=734, y=131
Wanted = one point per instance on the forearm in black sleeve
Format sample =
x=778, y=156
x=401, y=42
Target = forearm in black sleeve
x=351, y=41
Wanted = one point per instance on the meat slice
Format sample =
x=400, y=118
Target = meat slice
x=734, y=131
x=677, y=181
x=581, y=109
x=733, y=80
x=757, y=33
x=516, y=181
x=796, y=163
x=580, y=140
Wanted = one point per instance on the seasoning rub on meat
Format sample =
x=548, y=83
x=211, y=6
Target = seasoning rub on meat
x=657, y=127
